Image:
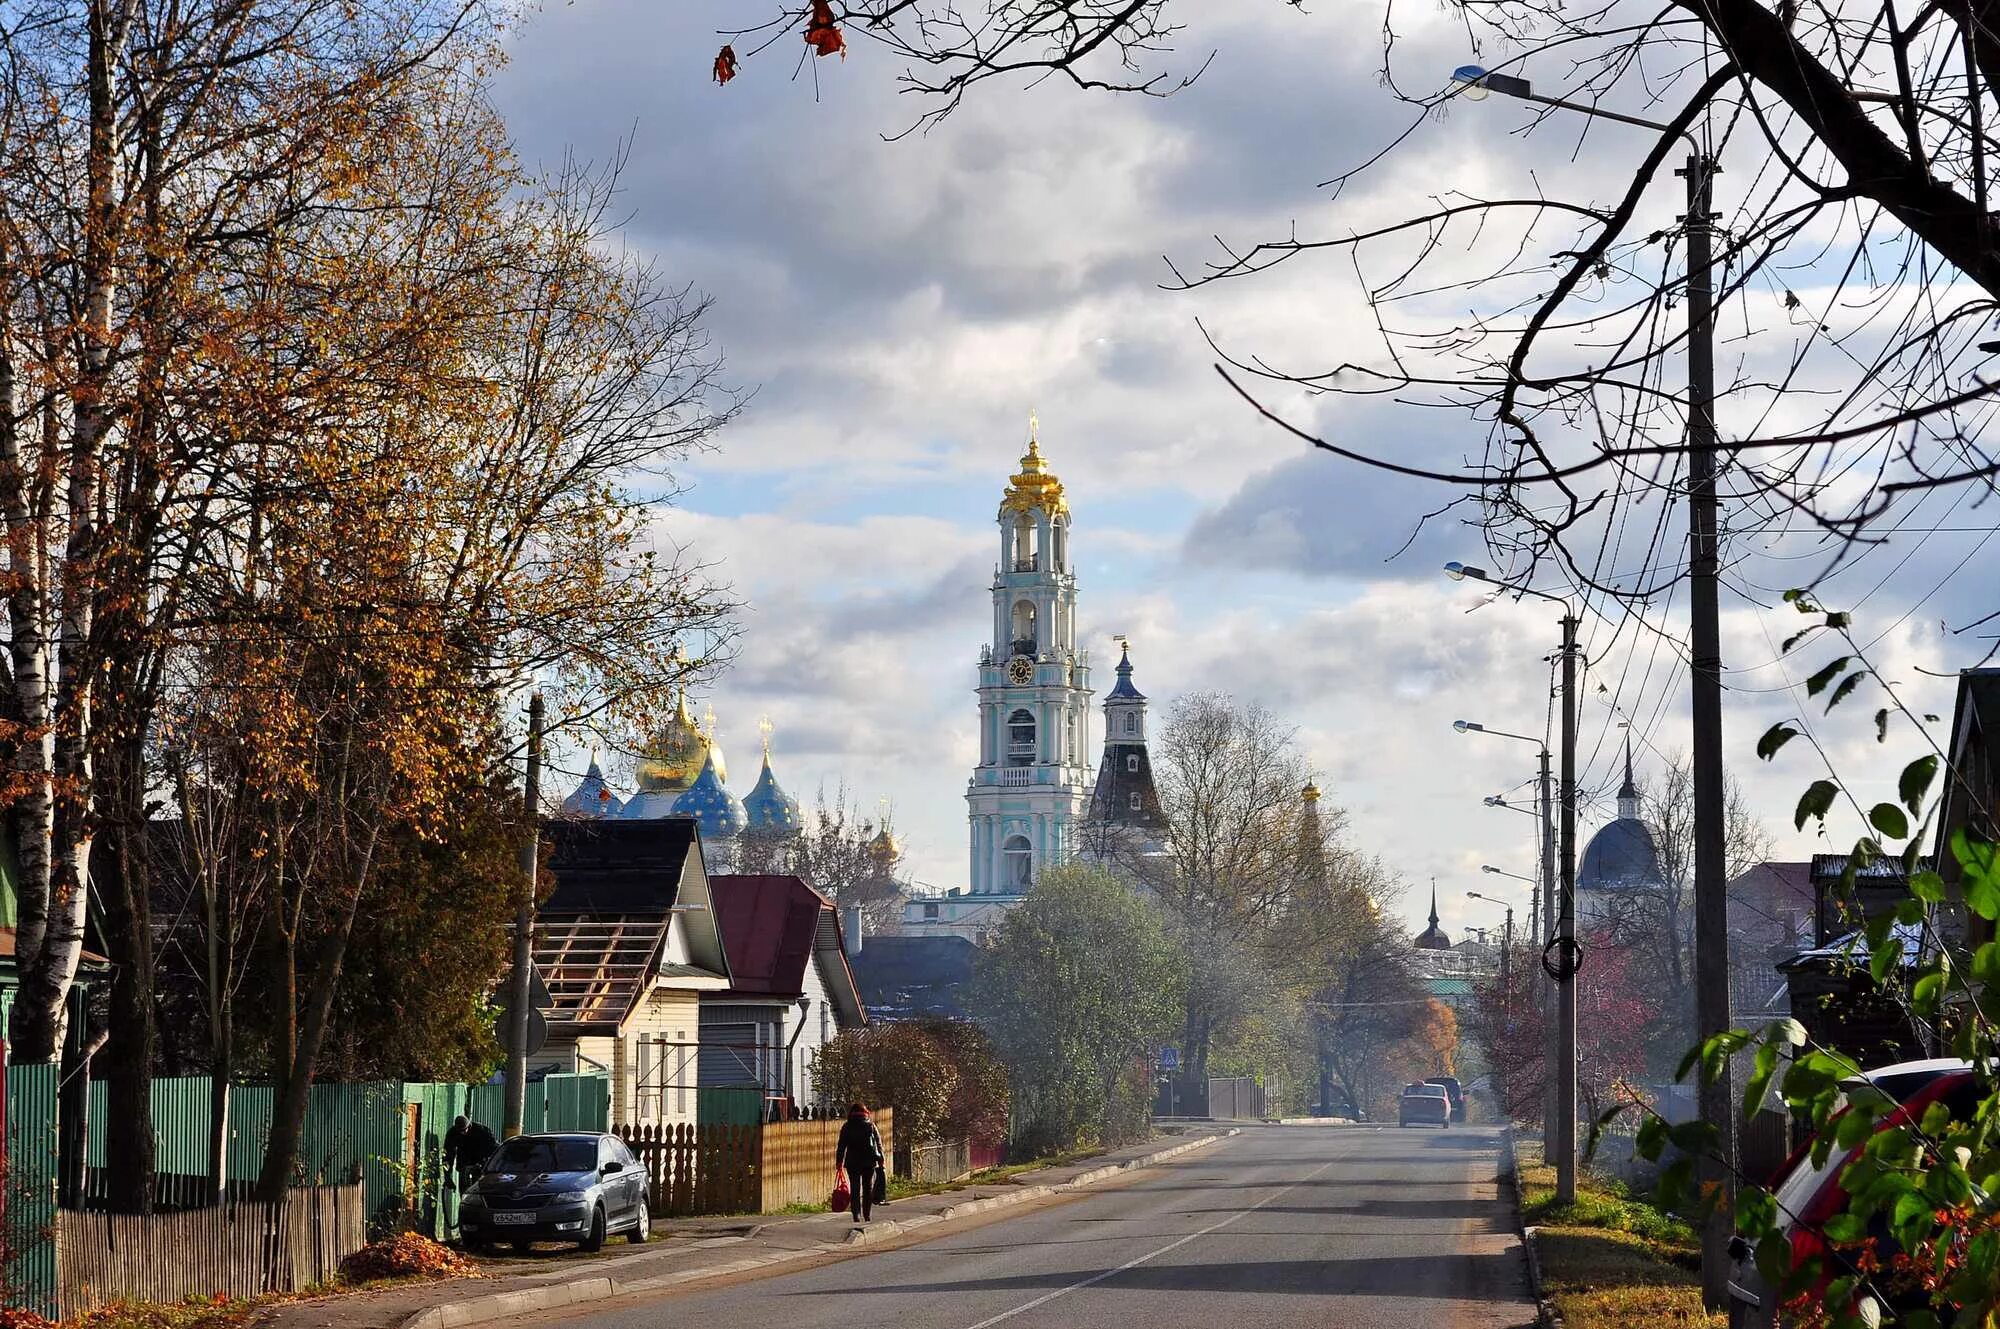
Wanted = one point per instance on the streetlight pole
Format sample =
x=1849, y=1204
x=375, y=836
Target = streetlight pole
x=1711, y=903
x=1561, y=955
x=1507, y=937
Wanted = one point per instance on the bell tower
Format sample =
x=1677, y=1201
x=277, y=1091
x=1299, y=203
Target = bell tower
x=1030, y=791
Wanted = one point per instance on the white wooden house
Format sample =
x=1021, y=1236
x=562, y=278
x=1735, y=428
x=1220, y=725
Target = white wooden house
x=791, y=990
x=628, y=943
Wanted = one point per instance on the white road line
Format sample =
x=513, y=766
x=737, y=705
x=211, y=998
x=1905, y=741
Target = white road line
x=1048, y=1297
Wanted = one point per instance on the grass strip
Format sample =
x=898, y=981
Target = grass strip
x=1611, y=1260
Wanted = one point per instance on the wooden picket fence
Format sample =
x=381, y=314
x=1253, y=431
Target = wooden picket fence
x=739, y=1169
x=696, y=1169
x=243, y=1248
x=796, y=1160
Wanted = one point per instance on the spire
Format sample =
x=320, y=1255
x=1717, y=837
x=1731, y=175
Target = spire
x=1433, y=938
x=1123, y=689
x=1628, y=793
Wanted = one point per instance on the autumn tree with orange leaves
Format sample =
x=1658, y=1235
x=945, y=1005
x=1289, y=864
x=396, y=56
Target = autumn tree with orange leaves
x=324, y=426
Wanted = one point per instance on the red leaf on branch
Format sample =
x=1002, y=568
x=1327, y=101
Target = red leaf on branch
x=821, y=34
x=725, y=64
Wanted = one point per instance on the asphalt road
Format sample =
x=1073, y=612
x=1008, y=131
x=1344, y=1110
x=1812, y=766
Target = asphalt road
x=1279, y=1227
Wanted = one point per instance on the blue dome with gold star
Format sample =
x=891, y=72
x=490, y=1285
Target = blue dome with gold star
x=770, y=809
x=593, y=797
x=714, y=809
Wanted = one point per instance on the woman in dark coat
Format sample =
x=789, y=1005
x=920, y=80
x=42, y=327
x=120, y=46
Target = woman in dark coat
x=859, y=1150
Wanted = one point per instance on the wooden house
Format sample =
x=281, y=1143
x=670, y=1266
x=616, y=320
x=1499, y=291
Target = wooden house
x=628, y=944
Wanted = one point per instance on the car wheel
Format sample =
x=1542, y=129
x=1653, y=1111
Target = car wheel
x=521, y=1247
x=1445, y=1124
x=642, y=1227
x=478, y=1245
x=595, y=1241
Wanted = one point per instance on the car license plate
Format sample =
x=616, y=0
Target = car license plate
x=501, y=1219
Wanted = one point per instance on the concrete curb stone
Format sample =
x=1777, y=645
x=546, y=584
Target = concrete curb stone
x=500, y=1305
x=1546, y=1314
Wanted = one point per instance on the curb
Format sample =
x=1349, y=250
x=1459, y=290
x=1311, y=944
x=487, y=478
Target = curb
x=1546, y=1315
x=501, y=1305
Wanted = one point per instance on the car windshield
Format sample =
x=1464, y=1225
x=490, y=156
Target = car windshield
x=528, y=1153
x=1425, y=1091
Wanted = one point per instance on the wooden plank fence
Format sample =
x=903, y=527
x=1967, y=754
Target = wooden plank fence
x=796, y=1159
x=244, y=1249
x=740, y=1169
x=696, y=1169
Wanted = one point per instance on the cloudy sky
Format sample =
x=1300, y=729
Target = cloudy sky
x=899, y=308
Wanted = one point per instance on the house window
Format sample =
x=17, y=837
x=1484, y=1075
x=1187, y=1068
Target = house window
x=1132, y=762
x=1136, y=805
x=930, y=913
x=1131, y=722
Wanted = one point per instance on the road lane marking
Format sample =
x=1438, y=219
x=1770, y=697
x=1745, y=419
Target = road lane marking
x=1048, y=1297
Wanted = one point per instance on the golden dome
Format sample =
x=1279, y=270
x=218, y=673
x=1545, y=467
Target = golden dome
x=672, y=760
x=1310, y=793
x=1033, y=487
x=884, y=849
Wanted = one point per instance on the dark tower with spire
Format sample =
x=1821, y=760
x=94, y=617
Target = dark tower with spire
x=1433, y=937
x=1124, y=799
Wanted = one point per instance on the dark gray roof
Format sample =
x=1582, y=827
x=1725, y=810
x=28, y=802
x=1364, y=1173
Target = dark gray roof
x=617, y=866
x=1623, y=855
x=1111, y=801
x=908, y=978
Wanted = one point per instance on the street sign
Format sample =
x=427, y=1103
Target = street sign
x=1170, y=1059
x=539, y=1000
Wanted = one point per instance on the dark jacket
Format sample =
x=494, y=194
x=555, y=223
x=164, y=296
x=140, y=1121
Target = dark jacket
x=860, y=1145
x=471, y=1147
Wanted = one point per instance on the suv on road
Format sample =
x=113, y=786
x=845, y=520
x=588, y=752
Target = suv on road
x=1452, y=1092
x=579, y=1188
x=1425, y=1102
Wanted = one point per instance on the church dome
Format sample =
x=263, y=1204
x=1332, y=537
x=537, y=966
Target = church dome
x=714, y=809
x=768, y=808
x=674, y=758
x=1624, y=855
x=592, y=797
x=883, y=850
x=1033, y=486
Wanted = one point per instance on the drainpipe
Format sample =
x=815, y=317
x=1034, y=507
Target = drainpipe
x=791, y=1092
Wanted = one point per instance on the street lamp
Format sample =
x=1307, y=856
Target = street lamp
x=1544, y=914
x=1560, y=954
x=1506, y=938
x=1711, y=903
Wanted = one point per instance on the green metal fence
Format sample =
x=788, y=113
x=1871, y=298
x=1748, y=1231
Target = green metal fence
x=31, y=1188
x=392, y=1132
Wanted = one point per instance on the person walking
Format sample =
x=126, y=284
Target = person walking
x=859, y=1150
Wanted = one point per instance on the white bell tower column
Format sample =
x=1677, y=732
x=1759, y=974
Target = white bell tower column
x=1029, y=793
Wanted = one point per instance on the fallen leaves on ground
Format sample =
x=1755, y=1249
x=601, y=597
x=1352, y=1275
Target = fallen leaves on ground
x=406, y=1255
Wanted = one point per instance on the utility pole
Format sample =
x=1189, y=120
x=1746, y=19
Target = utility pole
x=524, y=926
x=1711, y=900
x=1544, y=928
x=1563, y=955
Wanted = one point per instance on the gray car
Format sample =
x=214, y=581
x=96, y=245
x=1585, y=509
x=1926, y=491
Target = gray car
x=580, y=1188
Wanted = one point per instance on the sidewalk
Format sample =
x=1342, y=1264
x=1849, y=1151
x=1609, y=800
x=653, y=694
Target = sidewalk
x=687, y=1250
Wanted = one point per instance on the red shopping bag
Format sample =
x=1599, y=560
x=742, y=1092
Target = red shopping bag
x=841, y=1195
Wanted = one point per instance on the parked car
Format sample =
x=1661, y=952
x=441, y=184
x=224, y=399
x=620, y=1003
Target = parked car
x=1807, y=1195
x=1452, y=1092
x=579, y=1188
x=1425, y=1102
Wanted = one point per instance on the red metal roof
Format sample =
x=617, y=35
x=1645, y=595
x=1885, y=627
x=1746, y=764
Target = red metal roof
x=768, y=925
